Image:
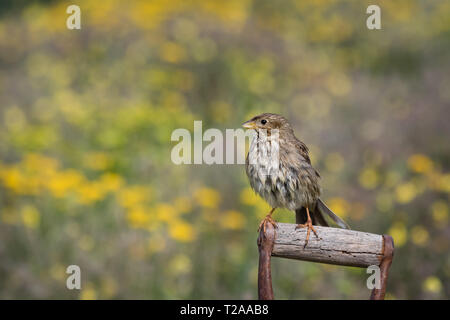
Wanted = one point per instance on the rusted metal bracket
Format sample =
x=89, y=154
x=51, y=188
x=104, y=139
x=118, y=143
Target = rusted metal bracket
x=266, y=242
x=385, y=264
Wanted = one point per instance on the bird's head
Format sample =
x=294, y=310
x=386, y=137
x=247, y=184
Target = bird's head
x=267, y=121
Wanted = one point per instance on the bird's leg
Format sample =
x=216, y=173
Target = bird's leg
x=308, y=225
x=268, y=219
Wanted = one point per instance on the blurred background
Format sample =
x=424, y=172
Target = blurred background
x=86, y=118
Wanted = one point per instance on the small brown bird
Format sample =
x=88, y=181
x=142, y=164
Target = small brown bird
x=279, y=170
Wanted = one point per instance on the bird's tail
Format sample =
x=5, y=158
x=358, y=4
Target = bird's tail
x=323, y=210
x=317, y=216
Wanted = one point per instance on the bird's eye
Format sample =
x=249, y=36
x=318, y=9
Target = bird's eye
x=263, y=121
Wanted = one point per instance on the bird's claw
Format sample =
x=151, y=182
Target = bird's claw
x=267, y=219
x=309, y=227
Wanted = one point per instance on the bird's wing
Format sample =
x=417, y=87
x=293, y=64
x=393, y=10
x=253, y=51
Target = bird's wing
x=303, y=149
x=304, y=152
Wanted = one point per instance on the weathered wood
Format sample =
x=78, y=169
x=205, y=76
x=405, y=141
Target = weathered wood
x=334, y=246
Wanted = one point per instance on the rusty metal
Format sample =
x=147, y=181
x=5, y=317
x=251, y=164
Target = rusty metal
x=385, y=264
x=266, y=240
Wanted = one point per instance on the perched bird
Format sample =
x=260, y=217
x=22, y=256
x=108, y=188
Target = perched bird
x=279, y=170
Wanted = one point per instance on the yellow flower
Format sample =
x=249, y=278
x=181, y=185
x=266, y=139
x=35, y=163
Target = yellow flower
x=234, y=12
x=432, y=284
x=262, y=207
x=420, y=163
x=62, y=182
x=368, y=178
x=207, y=198
x=131, y=196
x=30, y=216
x=181, y=231
x=90, y=192
x=21, y=180
x=399, y=233
x=111, y=182
x=232, y=220
x=13, y=179
x=32, y=186
x=165, y=212
x=339, y=206
x=248, y=197
x=138, y=217
x=405, y=192
x=419, y=235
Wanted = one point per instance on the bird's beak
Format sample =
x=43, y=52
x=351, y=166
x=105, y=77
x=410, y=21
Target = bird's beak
x=249, y=124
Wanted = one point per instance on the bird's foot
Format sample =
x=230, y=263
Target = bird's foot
x=265, y=221
x=310, y=227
